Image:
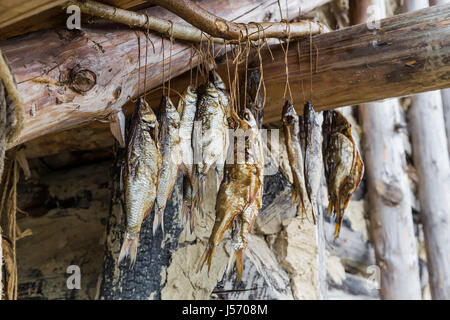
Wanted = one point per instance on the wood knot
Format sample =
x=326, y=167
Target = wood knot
x=390, y=193
x=221, y=25
x=82, y=80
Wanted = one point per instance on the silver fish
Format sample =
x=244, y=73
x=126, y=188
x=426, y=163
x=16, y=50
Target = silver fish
x=313, y=155
x=140, y=175
x=169, y=137
x=213, y=141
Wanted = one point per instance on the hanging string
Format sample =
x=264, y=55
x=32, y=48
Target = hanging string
x=163, y=66
x=310, y=63
x=139, y=64
x=300, y=71
x=145, y=67
x=170, y=56
x=287, y=86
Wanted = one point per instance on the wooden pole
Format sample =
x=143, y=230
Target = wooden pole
x=389, y=200
x=432, y=162
x=81, y=76
x=445, y=92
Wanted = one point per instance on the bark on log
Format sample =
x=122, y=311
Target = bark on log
x=390, y=204
x=394, y=61
x=432, y=162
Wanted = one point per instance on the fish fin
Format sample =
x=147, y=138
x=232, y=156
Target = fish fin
x=129, y=249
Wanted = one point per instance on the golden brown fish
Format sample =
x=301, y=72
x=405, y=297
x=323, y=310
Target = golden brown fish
x=140, y=175
x=344, y=168
x=169, y=138
x=291, y=128
x=240, y=192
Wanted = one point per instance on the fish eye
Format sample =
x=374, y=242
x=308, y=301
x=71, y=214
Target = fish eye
x=246, y=116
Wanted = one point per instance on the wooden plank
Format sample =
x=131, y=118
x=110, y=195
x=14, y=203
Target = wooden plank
x=354, y=65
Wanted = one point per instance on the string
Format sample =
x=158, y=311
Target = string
x=300, y=70
x=145, y=68
x=310, y=63
x=170, y=56
x=163, y=65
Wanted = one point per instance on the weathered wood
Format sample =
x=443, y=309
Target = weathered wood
x=445, y=92
x=446, y=107
x=50, y=15
x=346, y=71
x=432, y=162
x=390, y=213
x=12, y=11
x=431, y=159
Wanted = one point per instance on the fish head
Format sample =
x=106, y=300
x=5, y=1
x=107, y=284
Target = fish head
x=248, y=119
x=172, y=115
x=289, y=114
x=147, y=115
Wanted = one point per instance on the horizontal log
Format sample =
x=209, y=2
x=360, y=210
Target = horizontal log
x=408, y=54
x=104, y=56
x=22, y=16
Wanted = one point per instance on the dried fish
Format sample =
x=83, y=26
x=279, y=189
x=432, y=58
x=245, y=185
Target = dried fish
x=187, y=107
x=313, y=156
x=344, y=168
x=213, y=142
x=169, y=138
x=240, y=193
x=140, y=175
x=291, y=128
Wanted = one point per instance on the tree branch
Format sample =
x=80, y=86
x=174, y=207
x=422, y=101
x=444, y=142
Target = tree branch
x=221, y=28
x=206, y=22
x=142, y=20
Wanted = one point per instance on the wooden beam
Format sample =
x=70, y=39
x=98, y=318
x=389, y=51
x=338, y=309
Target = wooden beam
x=23, y=16
x=105, y=57
x=408, y=54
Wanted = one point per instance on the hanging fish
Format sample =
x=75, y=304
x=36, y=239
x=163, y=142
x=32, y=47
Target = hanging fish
x=313, y=156
x=140, y=175
x=211, y=143
x=291, y=128
x=169, y=138
x=240, y=193
x=187, y=107
x=344, y=168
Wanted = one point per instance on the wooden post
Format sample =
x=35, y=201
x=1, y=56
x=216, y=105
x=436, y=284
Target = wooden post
x=389, y=200
x=445, y=92
x=432, y=162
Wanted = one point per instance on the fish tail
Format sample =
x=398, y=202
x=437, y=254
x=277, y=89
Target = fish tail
x=330, y=207
x=239, y=263
x=129, y=249
x=158, y=220
x=207, y=256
